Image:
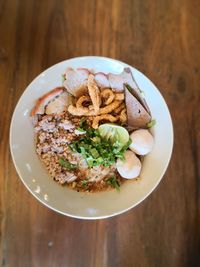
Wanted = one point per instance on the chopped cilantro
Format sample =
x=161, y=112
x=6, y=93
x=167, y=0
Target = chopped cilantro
x=84, y=183
x=114, y=183
x=66, y=164
x=83, y=123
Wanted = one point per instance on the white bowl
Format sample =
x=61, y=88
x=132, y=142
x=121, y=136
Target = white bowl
x=69, y=202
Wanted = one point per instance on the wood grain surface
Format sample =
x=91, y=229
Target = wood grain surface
x=161, y=39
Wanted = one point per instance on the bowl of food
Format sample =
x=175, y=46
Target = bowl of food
x=91, y=137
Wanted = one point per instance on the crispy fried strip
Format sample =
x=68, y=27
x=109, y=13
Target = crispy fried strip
x=123, y=116
x=81, y=100
x=94, y=93
x=97, y=119
x=109, y=95
x=107, y=109
x=119, y=96
x=80, y=111
x=119, y=109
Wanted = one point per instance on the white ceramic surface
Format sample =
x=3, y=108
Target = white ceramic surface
x=62, y=199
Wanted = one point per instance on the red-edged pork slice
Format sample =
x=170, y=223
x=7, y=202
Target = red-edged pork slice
x=76, y=81
x=101, y=80
x=137, y=116
x=117, y=82
x=41, y=103
x=59, y=104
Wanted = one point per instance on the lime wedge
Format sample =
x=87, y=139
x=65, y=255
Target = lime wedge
x=114, y=133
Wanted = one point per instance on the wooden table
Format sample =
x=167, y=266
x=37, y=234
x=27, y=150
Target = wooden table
x=160, y=38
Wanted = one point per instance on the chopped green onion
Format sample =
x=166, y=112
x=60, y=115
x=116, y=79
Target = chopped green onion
x=96, y=139
x=97, y=150
x=131, y=89
x=94, y=153
x=83, y=152
x=127, y=145
x=99, y=160
x=90, y=161
x=63, y=77
x=128, y=87
x=151, y=123
x=80, y=130
x=66, y=164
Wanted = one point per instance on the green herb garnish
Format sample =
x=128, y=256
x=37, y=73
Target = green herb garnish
x=80, y=129
x=94, y=153
x=127, y=145
x=114, y=183
x=67, y=165
x=151, y=123
x=128, y=87
x=97, y=150
x=83, y=123
x=131, y=89
x=84, y=183
x=63, y=77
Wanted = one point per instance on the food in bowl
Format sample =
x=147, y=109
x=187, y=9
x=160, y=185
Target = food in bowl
x=92, y=132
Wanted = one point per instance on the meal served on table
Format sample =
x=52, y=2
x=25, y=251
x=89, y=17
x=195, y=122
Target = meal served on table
x=92, y=132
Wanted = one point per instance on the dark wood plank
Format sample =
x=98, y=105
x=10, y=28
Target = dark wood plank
x=160, y=38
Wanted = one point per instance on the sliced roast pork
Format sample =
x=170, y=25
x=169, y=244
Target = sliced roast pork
x=76, y=81
x=42, y=102
x=102, y=80
x=137, y=116
x=135, y=90
x=117, y=82
x=59, y=104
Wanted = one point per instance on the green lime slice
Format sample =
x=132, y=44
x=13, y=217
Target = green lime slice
x=114, y=133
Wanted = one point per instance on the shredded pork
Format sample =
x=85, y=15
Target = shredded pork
x=54, y=133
